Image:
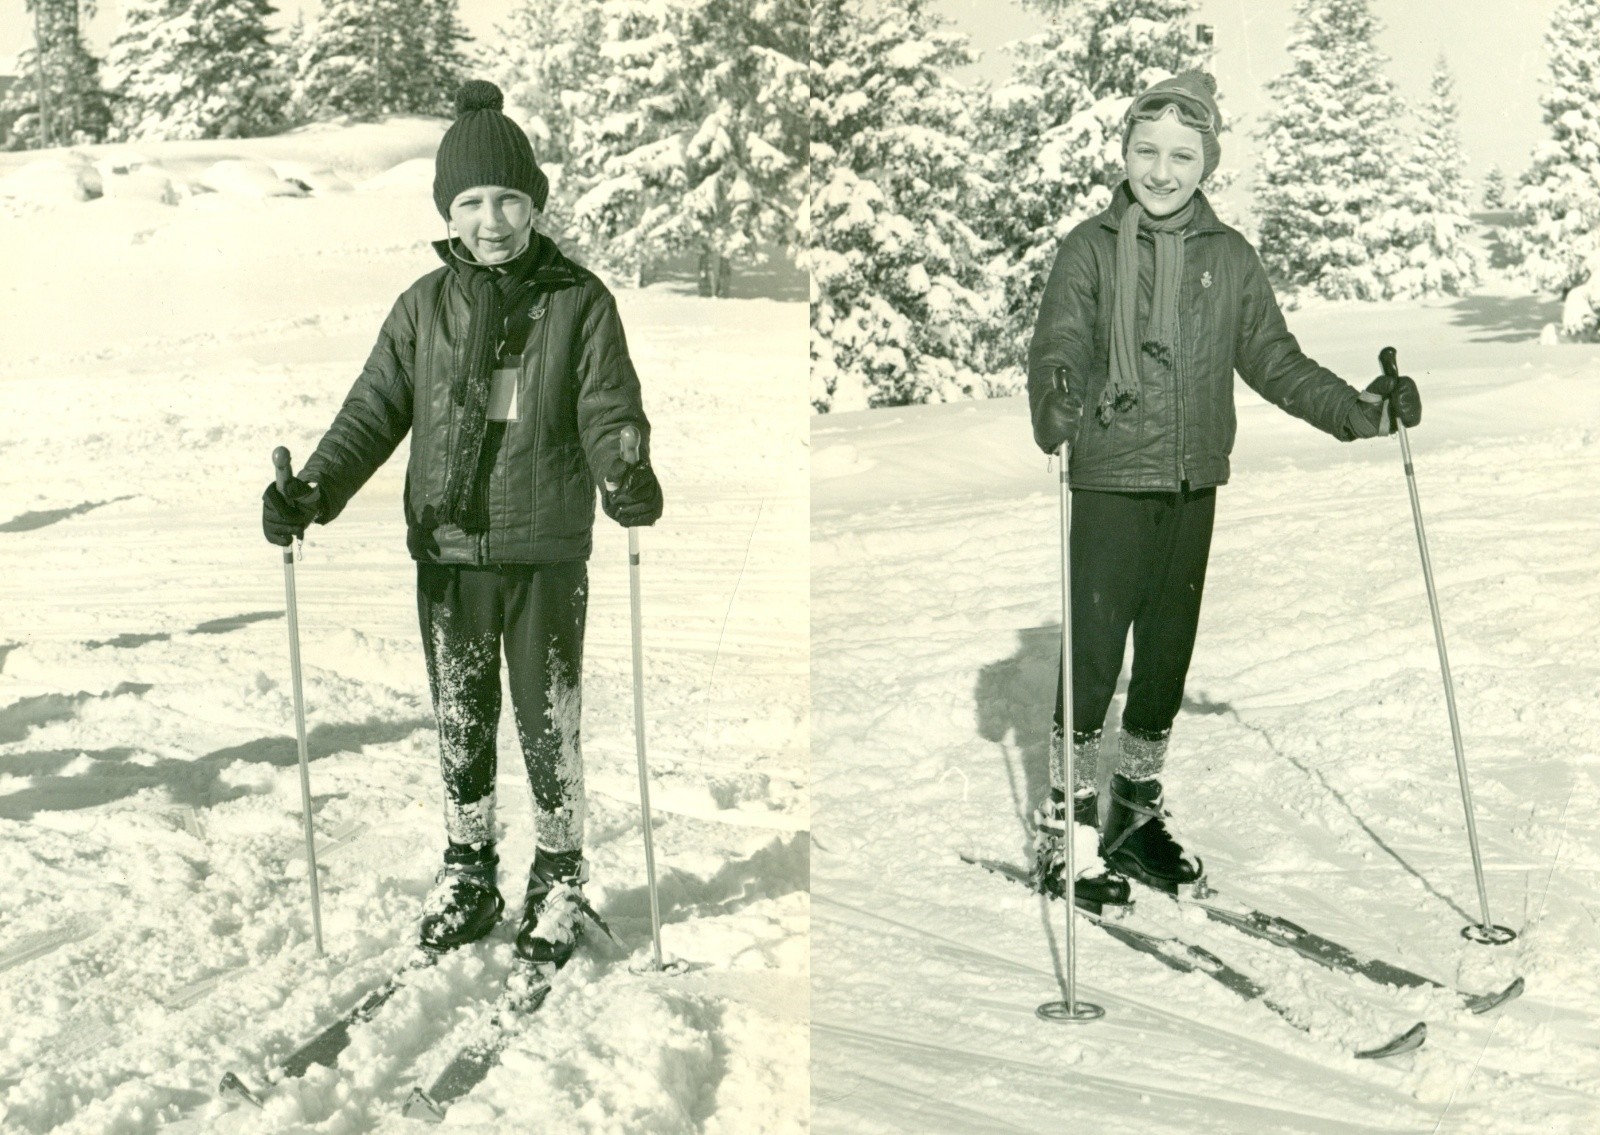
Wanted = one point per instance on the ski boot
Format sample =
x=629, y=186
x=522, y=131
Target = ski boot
x=552, y=920
x=1096, y=885
x=464, y=904
x=1137, y=843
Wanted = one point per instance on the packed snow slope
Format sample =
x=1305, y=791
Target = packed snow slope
x=154, y=916
x=1312, y=766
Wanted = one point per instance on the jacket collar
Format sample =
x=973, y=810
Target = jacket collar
x=548, y=267
x=1205, y=218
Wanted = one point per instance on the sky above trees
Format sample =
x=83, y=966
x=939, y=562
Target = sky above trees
x=1495, y=49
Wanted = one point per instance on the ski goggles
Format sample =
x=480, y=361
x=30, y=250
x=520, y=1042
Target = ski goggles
x=1191, y=111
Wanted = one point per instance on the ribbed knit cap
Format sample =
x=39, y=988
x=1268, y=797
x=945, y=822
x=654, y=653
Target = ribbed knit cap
x=484, y=147
x=1197, y=86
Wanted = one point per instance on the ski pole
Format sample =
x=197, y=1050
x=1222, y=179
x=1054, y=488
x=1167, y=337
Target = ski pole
x=1070, y=1009
x=630, y=454
x=280, y=462
x=1486, y=932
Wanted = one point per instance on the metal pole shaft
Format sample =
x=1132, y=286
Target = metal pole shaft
x=300, y=734
x=638, y=738
x=1444, y=666
x=1067, y=732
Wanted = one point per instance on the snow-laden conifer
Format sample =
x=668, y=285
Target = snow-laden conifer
x=367, y=58
x=744, y=115
x=1557, y=239
x=899, y=290
x=627, y=165
x=196, y=69
x=1494, y=189
x=1422, y=237
x=1327, y=149
x=58, y=98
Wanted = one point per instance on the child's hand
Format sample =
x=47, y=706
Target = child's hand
x=1385, y=400
x=1055, y=420
x=284, y=515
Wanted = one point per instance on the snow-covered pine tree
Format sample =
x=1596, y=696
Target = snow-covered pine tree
x=58, y=99
x=1327, y=153
x=898, y=284
x=546, y=58
x=745, y=121
x=628, y=165
x=1494, y=189
x=367, y=58
x=1422, y=237
x=1053, y=131
x=1557, y=202
x=197, y=69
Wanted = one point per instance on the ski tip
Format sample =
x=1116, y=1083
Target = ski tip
x=1408, y=1041
x=1488, y=1002
x=420, y=1105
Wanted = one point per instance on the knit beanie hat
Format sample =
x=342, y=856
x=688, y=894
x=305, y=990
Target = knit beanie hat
x=484, y=147
x=1195, y=94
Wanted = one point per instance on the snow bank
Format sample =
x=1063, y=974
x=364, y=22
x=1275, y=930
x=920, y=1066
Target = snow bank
x=247, y=178
x=61, y=179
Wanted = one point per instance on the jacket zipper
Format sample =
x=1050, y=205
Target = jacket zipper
x=1180, y=376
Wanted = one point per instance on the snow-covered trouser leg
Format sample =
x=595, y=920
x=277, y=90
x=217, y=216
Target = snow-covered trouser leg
x=459, y=612
x=545, y=609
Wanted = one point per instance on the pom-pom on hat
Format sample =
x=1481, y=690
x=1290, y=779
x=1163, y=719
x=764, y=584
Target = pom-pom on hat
x=1193, y=94
x=484, y=147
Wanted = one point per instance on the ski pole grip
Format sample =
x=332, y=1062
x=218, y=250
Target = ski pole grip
x=280, y=467
x=1387, y=360
x=630, y=445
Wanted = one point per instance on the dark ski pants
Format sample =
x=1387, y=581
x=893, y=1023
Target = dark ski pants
x=1139, y=561
x=535, y=614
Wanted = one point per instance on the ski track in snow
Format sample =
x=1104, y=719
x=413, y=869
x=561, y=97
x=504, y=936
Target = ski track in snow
x=1312, y=767
x=156, y=926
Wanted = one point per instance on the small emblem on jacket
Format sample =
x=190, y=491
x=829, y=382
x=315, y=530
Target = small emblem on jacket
x=1205, y=279
x=537, y=310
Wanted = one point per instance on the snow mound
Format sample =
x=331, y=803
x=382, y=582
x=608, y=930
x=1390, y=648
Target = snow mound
x=412, y=176
x=141, y=183
x=57, y=180
x=315, y=177
x=247, y=177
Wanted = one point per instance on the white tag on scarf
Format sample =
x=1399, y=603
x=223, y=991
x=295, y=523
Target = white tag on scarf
x=503, y=389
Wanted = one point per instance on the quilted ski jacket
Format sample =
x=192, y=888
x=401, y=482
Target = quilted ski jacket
x=577, y=390
x=1182, y=428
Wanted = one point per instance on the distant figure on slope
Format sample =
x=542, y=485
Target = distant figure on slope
x=509, y=369
x=1150, y=308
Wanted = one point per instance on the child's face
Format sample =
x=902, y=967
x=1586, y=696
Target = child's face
x=1165, y=161
x=492, y=221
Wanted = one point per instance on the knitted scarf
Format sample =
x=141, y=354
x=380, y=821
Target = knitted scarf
x=1160, y=341
x=489, y=293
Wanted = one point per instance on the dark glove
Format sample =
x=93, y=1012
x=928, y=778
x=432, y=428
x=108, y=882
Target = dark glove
x=284, y=515
x=1055, y=419
x=632, y=496
x=1387, y=399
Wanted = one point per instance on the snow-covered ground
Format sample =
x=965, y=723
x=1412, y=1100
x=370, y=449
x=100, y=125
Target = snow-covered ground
x=1312, y=766
x=154, y=917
